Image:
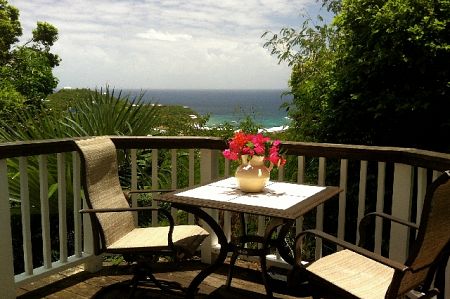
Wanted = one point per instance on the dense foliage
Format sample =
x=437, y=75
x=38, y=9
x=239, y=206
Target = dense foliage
x=377, y=75
x=171, y=119
x=95, y=113
x=26, y=69
x=98, y=113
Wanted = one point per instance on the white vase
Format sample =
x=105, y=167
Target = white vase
x=252, y=175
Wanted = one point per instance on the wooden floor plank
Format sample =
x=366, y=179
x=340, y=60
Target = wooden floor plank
x=76, y=283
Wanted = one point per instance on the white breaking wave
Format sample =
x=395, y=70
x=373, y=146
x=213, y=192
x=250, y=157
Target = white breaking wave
x=274, y=129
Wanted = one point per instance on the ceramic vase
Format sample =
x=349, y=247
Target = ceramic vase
x=252, y=175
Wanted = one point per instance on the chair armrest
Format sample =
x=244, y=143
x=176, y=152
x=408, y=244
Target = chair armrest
x=365, y=220
x=114, y=210
x=140, y=191
x=389, y=217
x=127, y=193
x=369, y=254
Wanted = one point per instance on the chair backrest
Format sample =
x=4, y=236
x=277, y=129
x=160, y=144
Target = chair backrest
x=102, y=188
x=432, y=238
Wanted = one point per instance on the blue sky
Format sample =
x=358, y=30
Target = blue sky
x=196, y=44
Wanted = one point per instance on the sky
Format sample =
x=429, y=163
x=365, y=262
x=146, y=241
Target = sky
x=165, y=44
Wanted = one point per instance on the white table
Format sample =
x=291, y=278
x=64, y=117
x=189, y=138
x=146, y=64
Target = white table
x=283, y=201
x=278, y=199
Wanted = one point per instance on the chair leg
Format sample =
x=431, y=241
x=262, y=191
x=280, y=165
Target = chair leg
x=233, y=259
x=265, y=275
x=440, y=282
x=299, y=284
x=139, y=275
x=134, y=283
x=172, y=288
x=432, y=294
x=143, y=272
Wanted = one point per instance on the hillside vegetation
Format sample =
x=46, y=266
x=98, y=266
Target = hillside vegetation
x=170, y=120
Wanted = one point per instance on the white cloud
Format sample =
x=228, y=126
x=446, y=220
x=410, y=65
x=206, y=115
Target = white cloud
x=165, y=44
x=153, y=34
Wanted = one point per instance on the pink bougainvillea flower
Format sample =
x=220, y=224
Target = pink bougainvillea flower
x=274, y=158
x=230, y=155
x=250, y=145
x=259, y=149
x=248, y=151
x=260, y=139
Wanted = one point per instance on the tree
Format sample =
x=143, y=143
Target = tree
x=10, y=29
x=378, y=74
x=10, y=102
x=28, y=67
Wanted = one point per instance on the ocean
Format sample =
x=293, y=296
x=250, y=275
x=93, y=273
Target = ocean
x=224, y=105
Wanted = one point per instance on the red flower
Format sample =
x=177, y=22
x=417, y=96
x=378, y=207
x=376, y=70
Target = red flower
x=230, y=155
x=259, y=149
x=250, y=145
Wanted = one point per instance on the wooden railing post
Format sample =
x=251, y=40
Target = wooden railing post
x=401, y=207
x=320, y=209
x=155, y=184
x=208, y=171
x=62, y=208
x=94, y=264
x=381, y=191
x=76, y=183
x=300, y=180
x=25, y=211
x=45, y=213
x=7, y=285
x=342, y=199
x=361, y=194
x=134, y=179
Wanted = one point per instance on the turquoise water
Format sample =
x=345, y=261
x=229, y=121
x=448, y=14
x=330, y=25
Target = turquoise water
x=225, y=105
x=266, y=122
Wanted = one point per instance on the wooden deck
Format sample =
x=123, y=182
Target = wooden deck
x=111, y=282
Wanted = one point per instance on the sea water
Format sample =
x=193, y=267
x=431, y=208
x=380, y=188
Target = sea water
x=222, y=106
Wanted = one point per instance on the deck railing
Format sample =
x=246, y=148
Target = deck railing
x=31, y=173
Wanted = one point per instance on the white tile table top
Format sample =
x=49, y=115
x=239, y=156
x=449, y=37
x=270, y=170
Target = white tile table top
x=276, y=195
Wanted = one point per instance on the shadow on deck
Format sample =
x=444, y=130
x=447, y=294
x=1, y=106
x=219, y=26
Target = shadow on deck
x=112, y=282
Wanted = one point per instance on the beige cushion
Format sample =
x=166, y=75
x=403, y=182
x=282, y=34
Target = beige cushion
x=361, y=276
x=188, y=237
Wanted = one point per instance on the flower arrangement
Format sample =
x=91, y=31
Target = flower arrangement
x=250, y=145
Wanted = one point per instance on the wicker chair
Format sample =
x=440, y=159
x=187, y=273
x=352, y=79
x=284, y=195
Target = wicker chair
x=113, y=221
x=358, y=273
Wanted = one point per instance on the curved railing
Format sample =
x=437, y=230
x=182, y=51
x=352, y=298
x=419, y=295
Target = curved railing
x=372, y=178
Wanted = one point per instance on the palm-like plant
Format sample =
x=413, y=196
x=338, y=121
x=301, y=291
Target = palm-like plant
x=102, y=113
x=108, y=114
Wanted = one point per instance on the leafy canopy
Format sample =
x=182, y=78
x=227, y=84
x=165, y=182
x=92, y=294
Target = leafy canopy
x=10, y=29
x=377, y=74
x=28, y=67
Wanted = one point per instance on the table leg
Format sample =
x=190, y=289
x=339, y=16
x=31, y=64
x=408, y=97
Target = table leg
x=284, y=249
x=224, y=246
x=264, y=244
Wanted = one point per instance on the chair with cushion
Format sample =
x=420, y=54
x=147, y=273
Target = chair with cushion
x=113, y=221
x=359, y=273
